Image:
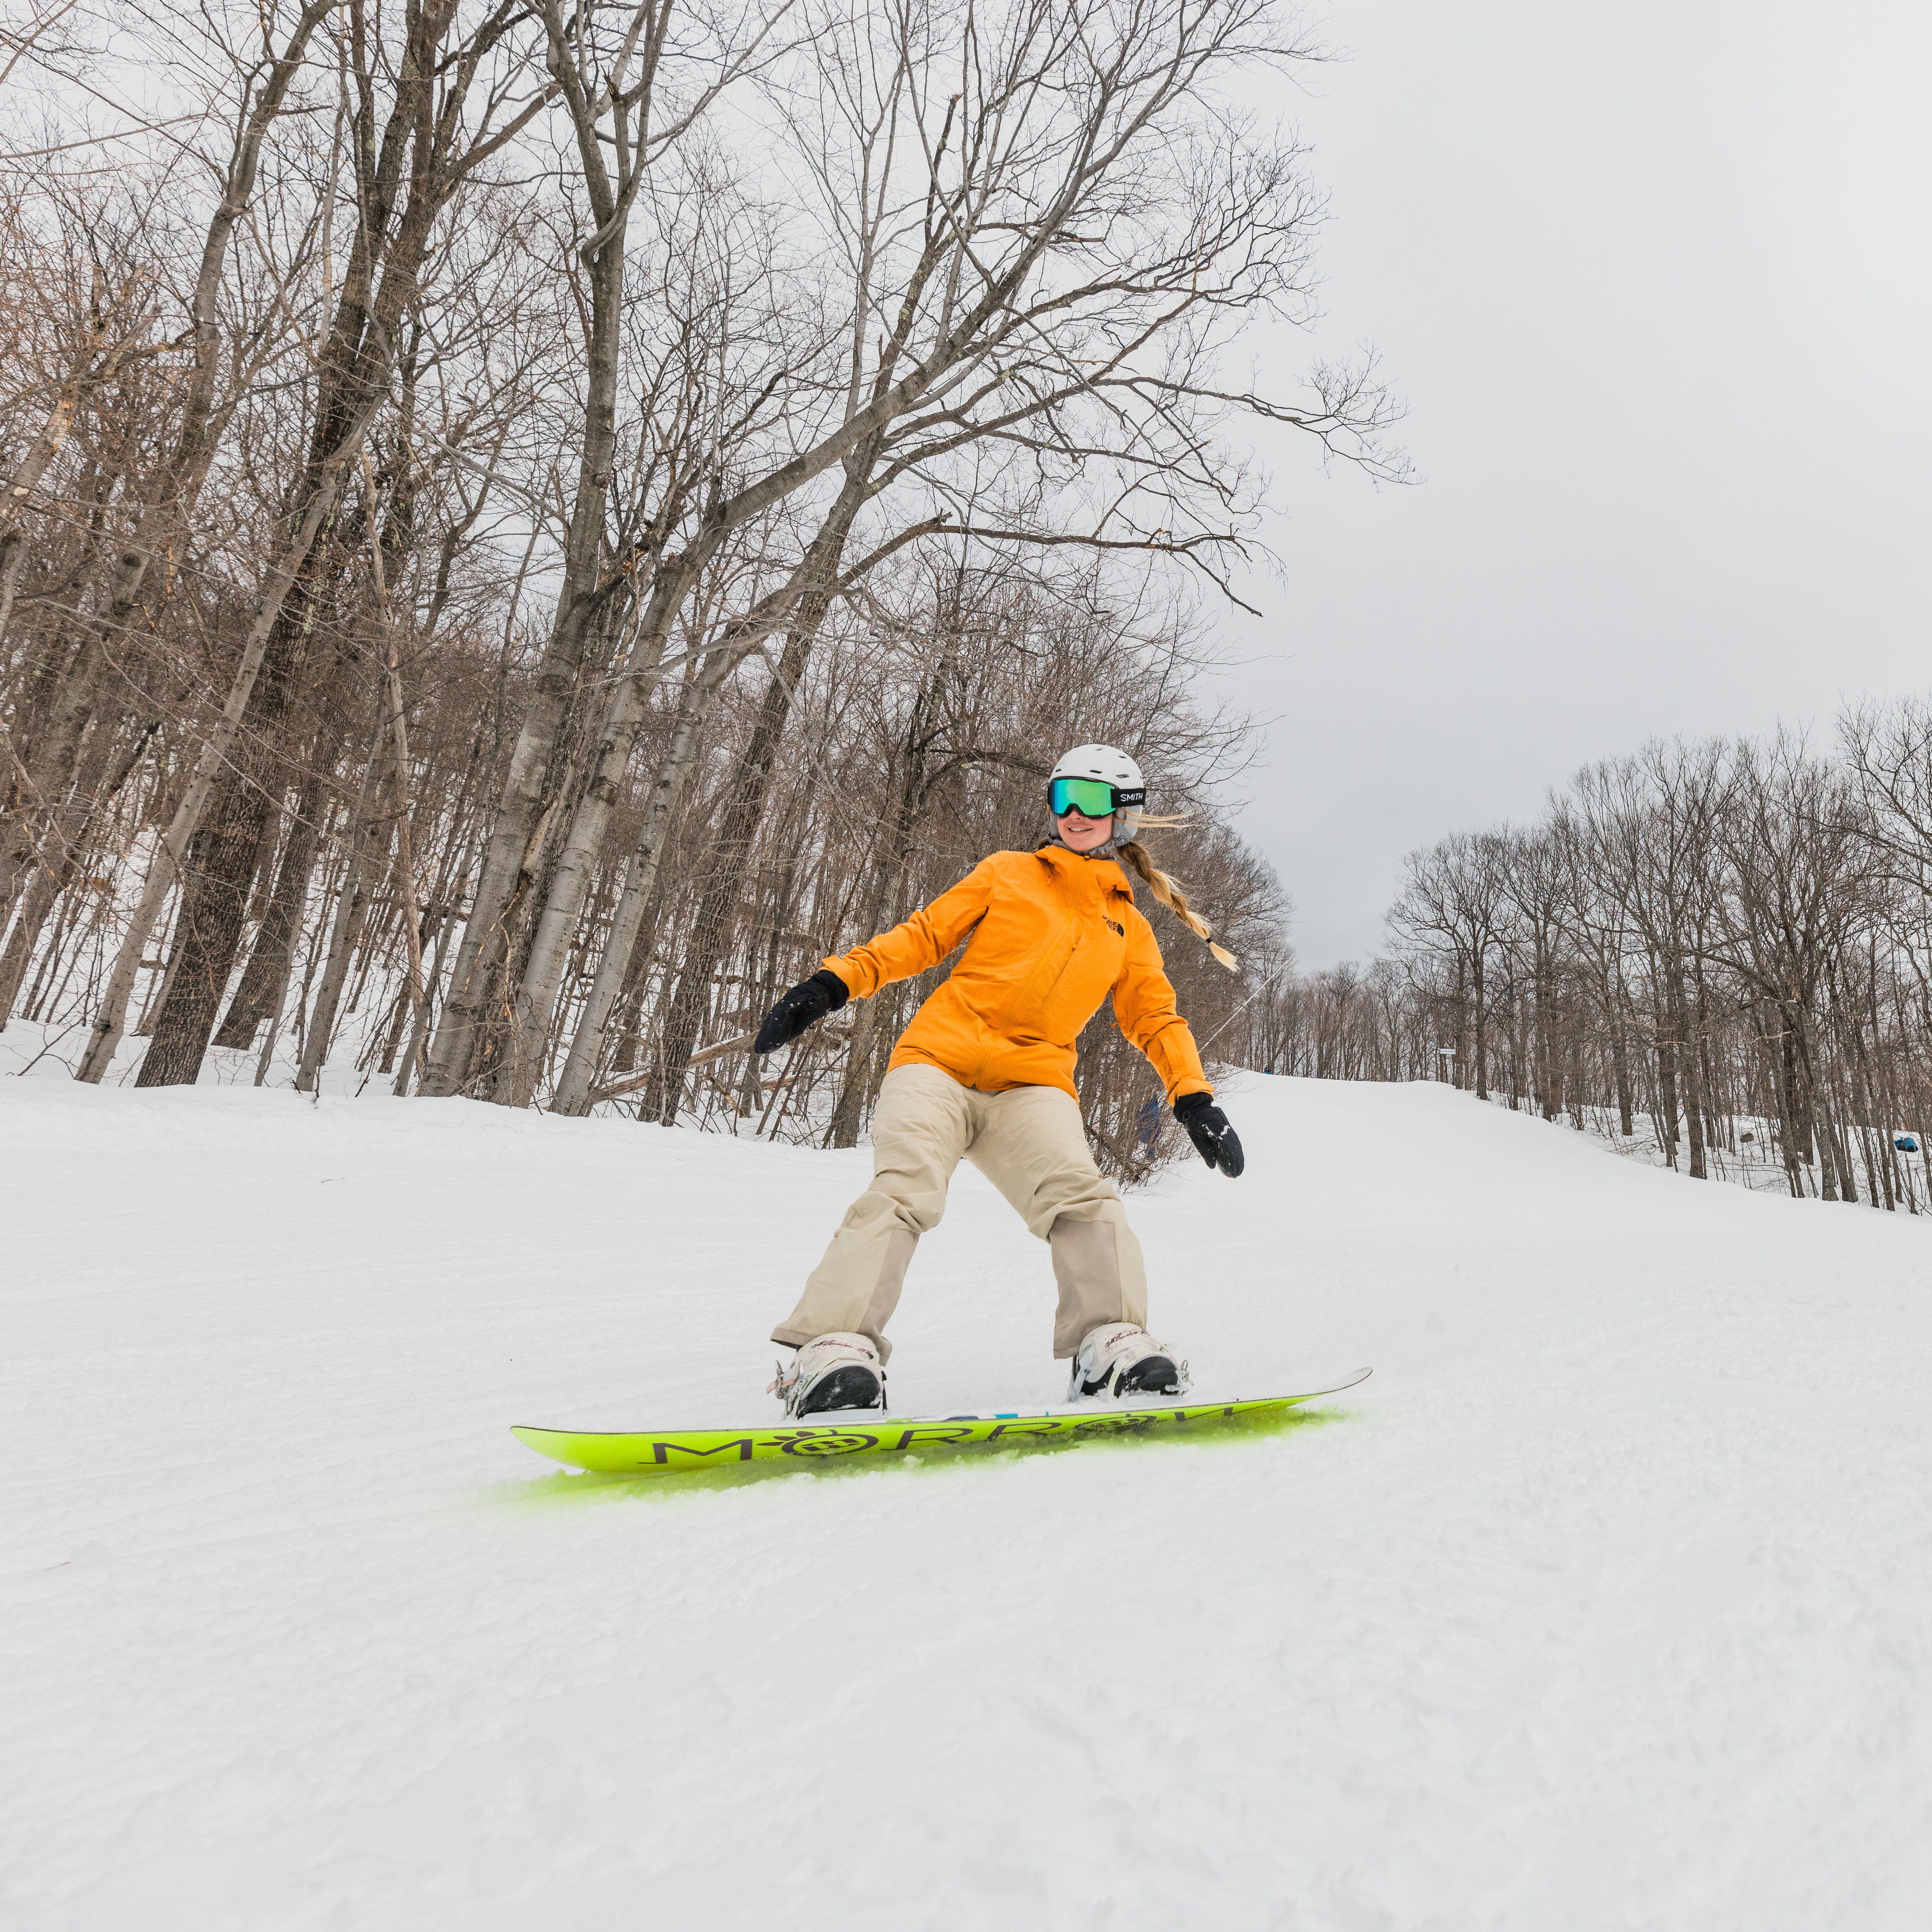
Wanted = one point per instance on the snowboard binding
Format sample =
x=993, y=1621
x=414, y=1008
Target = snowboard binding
x=1121, y=1359
x=835, y=1372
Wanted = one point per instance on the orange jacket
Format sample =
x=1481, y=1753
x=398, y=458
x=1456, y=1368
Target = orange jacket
x=1053, y=935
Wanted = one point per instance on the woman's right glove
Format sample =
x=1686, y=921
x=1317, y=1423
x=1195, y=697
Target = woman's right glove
x=806, y=1005
x=1216, y=1143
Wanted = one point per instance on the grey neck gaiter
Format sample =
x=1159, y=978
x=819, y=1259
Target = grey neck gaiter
x=1108, y=850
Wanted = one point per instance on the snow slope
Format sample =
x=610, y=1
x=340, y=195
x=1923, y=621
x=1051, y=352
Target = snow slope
x=1603, y=1604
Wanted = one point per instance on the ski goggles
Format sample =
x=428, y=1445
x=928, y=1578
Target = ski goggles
x=1092, y=798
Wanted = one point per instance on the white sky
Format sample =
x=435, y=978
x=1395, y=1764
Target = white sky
x=1653, y=281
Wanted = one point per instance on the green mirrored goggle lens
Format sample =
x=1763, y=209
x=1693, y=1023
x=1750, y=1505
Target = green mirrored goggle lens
x=1093, y=798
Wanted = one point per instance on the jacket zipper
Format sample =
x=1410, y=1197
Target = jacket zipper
x=1053, y=985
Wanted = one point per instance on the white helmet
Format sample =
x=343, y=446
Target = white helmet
x=1109, y=765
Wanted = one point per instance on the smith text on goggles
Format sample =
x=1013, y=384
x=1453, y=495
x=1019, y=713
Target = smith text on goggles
x=1092, y=798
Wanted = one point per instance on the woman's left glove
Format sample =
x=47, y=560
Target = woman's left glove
x=805, y=1006
x=1216, y=1143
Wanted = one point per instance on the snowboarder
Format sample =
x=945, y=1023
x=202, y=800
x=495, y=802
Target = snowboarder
x=985, y=1072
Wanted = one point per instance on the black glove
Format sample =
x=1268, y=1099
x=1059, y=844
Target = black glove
x=1216, y=1143
x=806, y=1005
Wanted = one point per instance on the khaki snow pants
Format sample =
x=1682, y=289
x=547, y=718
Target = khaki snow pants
x=1028, y=1141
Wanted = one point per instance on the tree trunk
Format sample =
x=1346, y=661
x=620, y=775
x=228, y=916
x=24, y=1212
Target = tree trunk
x=216, y=880
x=1666, y=1094
x=351, y=909
x=54, y=767
x=586, y=1050
x=628, y=1012
x=171, y=492
x=1620, y=1072
x=259, y=994
x=1480, y=990
x=921, y=730
x=483, y=953
x=1686, y=1061
x=215, y=885
x=1796, y=1120
x=45, y=888
x=439, y=917
x=84, y=372
x=730, y=856
x=60, y=858
x=112, y=1020
x=357, y=363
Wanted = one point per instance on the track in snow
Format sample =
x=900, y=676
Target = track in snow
x=1604, y=1606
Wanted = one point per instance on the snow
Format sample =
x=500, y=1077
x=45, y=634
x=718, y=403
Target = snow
x=1602, y=1604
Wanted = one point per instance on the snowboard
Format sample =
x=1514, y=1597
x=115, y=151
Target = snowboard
x=665, y=1452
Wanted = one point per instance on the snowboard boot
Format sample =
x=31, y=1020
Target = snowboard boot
x=1119, y=1359
x=836, y=1372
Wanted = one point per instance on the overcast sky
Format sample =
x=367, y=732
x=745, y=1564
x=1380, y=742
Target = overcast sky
x=1653, y=283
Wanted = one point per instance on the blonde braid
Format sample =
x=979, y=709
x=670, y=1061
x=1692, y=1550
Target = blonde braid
x=1167, y=891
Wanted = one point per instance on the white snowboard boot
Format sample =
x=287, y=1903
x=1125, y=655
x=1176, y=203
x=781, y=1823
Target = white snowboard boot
x=1119, y=1359
x=835, y=1372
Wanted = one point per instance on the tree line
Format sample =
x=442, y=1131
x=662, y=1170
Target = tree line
x=528, y=524
x=1723, y=947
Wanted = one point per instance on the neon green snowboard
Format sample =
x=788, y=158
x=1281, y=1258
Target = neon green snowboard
x=672, y=1451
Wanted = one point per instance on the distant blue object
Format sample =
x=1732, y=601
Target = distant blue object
x=1146, y=1123
x=1906, y=1144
